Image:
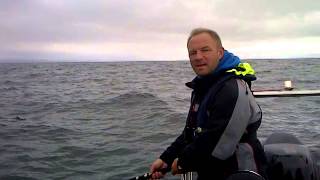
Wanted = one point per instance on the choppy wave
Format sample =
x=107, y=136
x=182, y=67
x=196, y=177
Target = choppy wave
x=111, y=120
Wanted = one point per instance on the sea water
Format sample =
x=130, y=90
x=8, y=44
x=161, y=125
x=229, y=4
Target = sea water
x=112, y=120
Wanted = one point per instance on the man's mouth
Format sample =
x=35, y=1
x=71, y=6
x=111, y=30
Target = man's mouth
x=200, y=65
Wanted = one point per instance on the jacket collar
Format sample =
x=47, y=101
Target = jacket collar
x=205, y=82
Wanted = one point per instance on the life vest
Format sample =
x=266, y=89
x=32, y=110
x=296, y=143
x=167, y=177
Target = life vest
x=235, y=137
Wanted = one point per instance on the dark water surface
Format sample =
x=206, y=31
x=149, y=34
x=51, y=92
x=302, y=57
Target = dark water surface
x=111, y=120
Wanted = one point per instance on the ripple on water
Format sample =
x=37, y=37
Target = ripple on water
x=111, y=120
x=12, y=177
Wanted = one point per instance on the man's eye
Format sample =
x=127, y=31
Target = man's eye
x=205, y=50
x=192, y=53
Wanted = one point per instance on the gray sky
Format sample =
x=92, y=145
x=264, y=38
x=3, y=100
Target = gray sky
x=155, y=30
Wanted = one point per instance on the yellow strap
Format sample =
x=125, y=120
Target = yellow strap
x=246, y=69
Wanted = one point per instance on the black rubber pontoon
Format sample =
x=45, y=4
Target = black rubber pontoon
x=289, y=159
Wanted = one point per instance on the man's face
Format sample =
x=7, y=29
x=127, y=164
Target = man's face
x=204, y=54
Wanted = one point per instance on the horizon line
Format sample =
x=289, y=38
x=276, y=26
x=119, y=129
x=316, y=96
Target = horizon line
x=128, y=60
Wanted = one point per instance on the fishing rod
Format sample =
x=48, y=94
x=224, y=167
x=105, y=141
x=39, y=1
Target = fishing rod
x=148, y=176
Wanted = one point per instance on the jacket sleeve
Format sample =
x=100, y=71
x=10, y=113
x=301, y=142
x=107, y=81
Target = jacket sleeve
x=228, y=115
x=173, y=150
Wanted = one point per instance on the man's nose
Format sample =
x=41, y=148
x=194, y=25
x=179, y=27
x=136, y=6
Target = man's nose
x=199, y=55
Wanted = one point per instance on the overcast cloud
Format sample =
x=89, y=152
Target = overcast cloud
x=155, y=30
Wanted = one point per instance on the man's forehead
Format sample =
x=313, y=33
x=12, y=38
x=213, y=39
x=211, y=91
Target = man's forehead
x=200, y=47
x=202, y=43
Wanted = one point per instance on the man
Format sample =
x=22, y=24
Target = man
x=220, y=136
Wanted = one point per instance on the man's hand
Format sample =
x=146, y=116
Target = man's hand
x=174, y=168
x=155, y=168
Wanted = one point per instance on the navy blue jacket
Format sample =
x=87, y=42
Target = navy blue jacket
x=220, y=136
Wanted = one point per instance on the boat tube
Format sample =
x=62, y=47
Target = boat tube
x=289, y=159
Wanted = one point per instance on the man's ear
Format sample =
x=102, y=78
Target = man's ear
x=221, y=52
